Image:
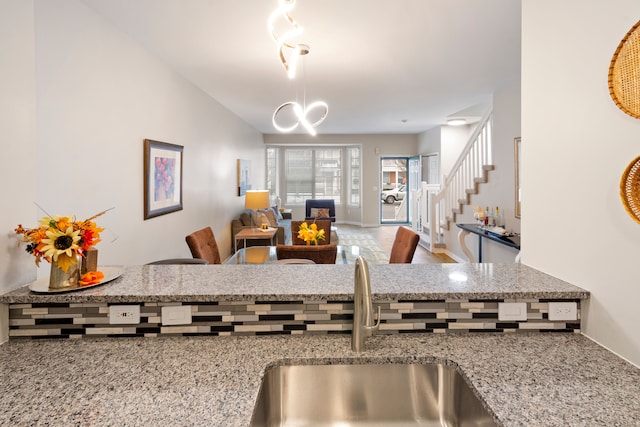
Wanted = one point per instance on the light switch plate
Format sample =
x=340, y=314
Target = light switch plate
x=512, y=311
x=124, y=314
x=563, y=311
x=176, y=315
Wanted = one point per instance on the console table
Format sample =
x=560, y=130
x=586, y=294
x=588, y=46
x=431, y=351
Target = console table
x=254, y=233
x=465, y=229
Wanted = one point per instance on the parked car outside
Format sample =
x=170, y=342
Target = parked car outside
x=392, y=196
x=390, y=186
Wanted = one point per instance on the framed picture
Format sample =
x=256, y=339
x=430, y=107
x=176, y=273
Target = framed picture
x=244, y=181
x=162, y=178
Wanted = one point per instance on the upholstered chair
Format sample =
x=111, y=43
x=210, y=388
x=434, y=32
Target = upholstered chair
x=404, y=246
x=293, y=261
x=203, y=245
x=322, y=208
x=323, y=224
x=321, y=254
x=179, y=261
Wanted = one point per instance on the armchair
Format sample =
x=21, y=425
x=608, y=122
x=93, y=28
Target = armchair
x=311, y=204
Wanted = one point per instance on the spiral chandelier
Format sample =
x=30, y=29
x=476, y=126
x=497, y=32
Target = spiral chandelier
x=283, y=41
x=289, y=54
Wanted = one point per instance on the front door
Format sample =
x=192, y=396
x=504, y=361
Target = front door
x=393, y=184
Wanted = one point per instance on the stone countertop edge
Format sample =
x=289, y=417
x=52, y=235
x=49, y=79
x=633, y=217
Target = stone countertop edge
x=208, y=283
x=524, y=379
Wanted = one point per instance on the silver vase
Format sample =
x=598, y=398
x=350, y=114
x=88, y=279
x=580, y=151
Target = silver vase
x=59, y=279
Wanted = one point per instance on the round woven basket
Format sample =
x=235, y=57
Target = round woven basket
x=624, y=73
x=630, y=189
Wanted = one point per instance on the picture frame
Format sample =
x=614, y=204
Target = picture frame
x=244, y=176
x=162, y=178
x=517, y=145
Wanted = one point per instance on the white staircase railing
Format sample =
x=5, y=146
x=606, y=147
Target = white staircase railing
x=471, y=169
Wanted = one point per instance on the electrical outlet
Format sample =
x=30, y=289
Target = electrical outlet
x=563, y=311
x=512, y=311
x=176, y=315
x=124, y=314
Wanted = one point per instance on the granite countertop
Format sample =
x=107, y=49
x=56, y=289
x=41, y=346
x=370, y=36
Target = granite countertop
x=526, y=379
x=201, y=283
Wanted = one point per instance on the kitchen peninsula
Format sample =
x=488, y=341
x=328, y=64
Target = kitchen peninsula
x=88, y=377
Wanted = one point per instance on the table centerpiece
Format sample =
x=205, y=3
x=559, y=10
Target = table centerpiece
x=310, y=233
x=64, y=241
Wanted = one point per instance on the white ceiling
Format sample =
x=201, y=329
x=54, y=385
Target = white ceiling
x=375, y=62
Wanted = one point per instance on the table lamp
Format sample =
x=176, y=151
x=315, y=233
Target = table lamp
x=256, y=199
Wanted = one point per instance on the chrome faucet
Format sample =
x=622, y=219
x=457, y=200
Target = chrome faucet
x=363, y=321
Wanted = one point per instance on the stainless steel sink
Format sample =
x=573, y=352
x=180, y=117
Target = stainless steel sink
x=368, y=395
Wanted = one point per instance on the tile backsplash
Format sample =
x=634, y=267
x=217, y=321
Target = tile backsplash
x=86, y=320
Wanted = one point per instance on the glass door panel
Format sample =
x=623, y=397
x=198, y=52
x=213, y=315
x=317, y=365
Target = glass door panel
x=393, y=177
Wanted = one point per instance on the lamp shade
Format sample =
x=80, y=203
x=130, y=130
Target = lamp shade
x=256, y=199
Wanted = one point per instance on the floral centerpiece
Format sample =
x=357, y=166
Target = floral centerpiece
x=63, y=241
x=310, y=233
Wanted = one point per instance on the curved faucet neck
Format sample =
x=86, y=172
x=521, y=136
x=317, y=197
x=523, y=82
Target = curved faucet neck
x=363, y=319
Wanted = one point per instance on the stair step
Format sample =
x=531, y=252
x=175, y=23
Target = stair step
x=438, y=247
x=447, y=195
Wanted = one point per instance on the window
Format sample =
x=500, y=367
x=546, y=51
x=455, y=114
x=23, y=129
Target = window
x=271, y=170
x=327, y=173
x=298, y=176
x=301, y=173
x=353, y=187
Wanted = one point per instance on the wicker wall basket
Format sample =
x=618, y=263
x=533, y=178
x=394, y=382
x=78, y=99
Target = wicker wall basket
x=630, y=189
x=624, y=73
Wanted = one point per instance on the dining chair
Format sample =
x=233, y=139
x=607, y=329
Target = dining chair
x=179, y=261
x=203, y=245
x=323, y=224
x=404, y=246
x=320, y=254
x=293, y=261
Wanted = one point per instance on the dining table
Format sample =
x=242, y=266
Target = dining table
x=346, y=254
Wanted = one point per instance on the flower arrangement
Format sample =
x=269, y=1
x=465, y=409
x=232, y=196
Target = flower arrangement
x=62, y=239
x=310, y=233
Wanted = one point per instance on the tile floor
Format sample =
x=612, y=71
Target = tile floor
x=385, y=234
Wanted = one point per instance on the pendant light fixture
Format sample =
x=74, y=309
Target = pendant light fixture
x=290, y=54
x=307, y=116
x=283, y=40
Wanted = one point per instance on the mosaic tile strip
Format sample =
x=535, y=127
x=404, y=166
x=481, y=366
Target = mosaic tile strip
x=77, y=320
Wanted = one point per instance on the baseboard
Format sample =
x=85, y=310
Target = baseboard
x=357, y=224
x=456, y=257
x=446, y=252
